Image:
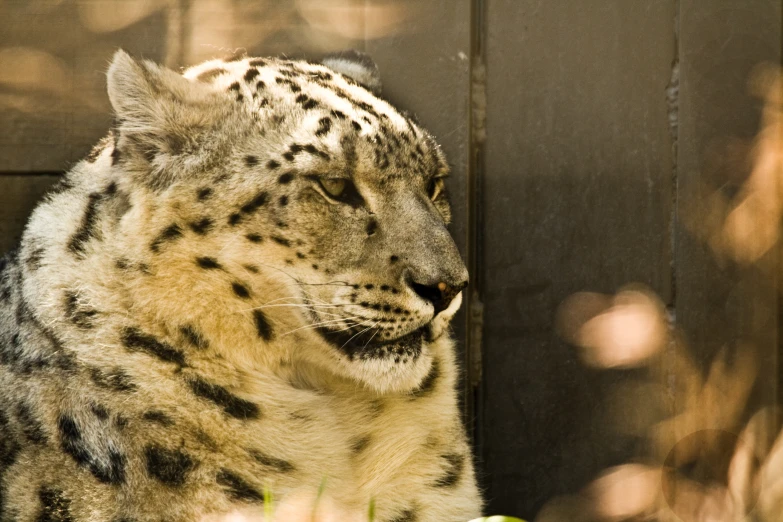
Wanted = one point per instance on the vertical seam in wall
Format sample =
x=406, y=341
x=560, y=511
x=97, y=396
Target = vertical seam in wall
x=475, y=307
x=673, y=104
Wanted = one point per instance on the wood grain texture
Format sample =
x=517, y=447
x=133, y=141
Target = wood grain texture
x=578, y=193
x=722, y=303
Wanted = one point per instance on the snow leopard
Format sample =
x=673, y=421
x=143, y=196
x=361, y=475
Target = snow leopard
x=239, y=297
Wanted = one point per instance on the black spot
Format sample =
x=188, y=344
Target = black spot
x=285, y=179
x=240, y=290
x=86, y=230
x=315, y=267
x=204, y=193
x=170, y=233
x=338, y=114
x=263, y=327
x=251, y=268
x=310, y=104
x=77, y=313
x=281, y=241
x=136, y=341
x=272, y=165
x=251, y=161
x=236, y=487
x=31, y=427
x=291, y=85
x=312, y=149
x=234, y=218
x=260, y=85
x=208, y=263
x=409, y=515
x=369, y=286
x=356, y=125
x=427, y=385
x=158, y=417
x=120, y=421
x=254, y=204
x=324, y=125
x=289, y=156
x=254, y=238
x=9, y=447
x=210, y=74
x=372, y=226
x=280, y=465
x=231, y=404
x=115, y=379
x=171, y=467
x=360, y=444
x=116, y=156
x=300, y=255
x=454, y=464
x=283, y=201
x=394, y=259
x=33, y=261
x=194, y=337
x=320, y=75
x=234, y=87
x=55, y=507
x=258, y=62
x=250, y=74
x=202, y=226
x=111, y=472
x=99, y=411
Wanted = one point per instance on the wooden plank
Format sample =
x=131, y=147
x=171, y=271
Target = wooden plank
x=577, y=196
x=20, y=194
x=721, y=303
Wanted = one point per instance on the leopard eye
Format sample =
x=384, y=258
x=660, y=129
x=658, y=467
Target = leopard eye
x=333, y=187
x=435, y=188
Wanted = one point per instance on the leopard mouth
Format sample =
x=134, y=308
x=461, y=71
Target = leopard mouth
x=362, y=346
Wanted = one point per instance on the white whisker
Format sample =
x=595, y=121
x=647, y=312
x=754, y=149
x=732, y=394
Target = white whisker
x=360, y=333
x=322, y=323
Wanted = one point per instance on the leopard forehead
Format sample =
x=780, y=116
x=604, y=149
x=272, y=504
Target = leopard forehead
x=305, y=107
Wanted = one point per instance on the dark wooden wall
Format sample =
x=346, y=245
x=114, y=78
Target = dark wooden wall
x=579, y=136
x=602, y=116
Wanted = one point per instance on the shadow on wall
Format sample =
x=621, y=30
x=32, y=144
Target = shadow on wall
x=706, y=457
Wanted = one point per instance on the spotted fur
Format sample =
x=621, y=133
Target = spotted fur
x=245, y=287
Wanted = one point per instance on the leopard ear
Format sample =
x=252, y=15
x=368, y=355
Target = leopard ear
x=154, y=109
x=357, y=66
x=142, y=92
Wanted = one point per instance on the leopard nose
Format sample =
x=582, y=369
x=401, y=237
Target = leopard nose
x=440, y=295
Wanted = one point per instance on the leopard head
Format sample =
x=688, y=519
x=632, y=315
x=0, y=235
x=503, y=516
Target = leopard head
x=292, y=172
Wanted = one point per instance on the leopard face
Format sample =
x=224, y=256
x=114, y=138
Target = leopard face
x=295, y=173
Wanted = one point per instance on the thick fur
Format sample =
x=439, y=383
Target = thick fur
x=193, y=319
